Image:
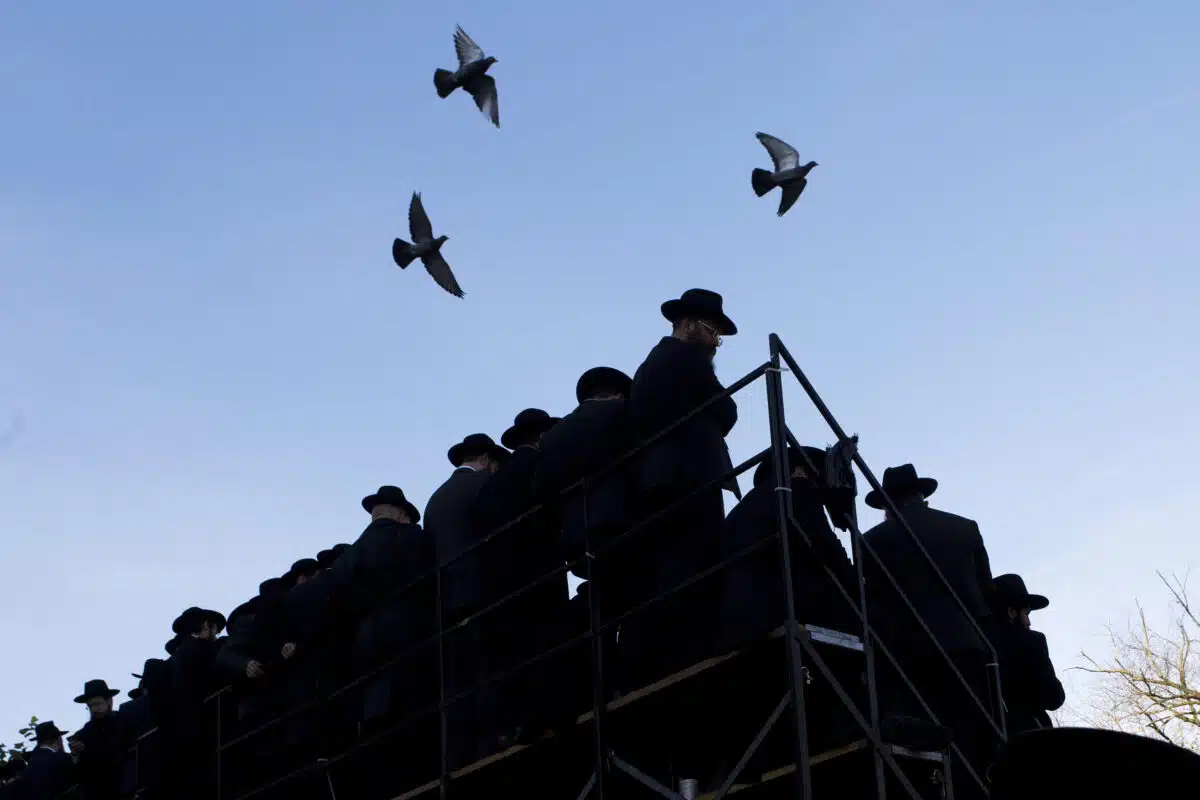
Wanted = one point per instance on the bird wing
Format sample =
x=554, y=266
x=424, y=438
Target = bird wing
x=789, y=196
x=783, y=155
x=418, y=221
x=437, y=267
x=466, y=48
x=483, y=89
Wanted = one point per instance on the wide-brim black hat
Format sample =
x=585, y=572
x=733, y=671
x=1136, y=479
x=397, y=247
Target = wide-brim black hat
x=305, y=566
x=901, y=479
x=476, y=444
x=96, y=688
x=599, y=380
x=529, y=424
x=193, y=617
x=700, y=304
x=326, y=557
x=136, y=692
x=391, y=496
x=45, y=731
x=764, y=474
x=1011, y=591
x=270, y=586
x=1054, y=763
x=172, y=645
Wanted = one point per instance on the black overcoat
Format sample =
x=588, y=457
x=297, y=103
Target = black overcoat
x=957, y=548
x=589, y=438
x=450, y=522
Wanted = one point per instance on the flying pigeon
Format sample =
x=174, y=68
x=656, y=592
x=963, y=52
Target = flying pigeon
x=788, y=175
x=470, y=75
x=425, y=247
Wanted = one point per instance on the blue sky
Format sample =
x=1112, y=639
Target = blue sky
x=992, y=274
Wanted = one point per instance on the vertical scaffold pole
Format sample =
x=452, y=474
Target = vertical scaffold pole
x=599, y=732
x=444, y=771
x=783, y=495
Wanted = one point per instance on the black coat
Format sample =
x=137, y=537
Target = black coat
x=675, y=378
x=1027, y=678
x=956, y=546
x=105, y=741
x=384, y=580
x=754, y=601
x=527, y=550
x=48, y=774
x=590, y=437
x=232, y=659
x=451, y=523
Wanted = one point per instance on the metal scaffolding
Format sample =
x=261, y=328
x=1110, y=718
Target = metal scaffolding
x=806, y=651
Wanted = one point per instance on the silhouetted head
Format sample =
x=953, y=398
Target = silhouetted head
x=487, y=62
x=439, y=241
x=810, y=165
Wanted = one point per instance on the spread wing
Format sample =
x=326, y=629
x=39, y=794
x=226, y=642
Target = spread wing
x=418, y=221
x=483, y=89
x=440, y=270
x=783, y=155
x=789, y=196
x=466, y=48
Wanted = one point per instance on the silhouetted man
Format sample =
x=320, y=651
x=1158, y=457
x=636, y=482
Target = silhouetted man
x=101, y=742
x=451, y=522
x=1029, y=684
x=676, y=378
x=49, y=771
x=956, y=548
x=523, y=558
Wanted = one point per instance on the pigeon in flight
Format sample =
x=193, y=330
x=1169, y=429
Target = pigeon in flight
x=471, y=75
x=788, y=175
x=425, y=247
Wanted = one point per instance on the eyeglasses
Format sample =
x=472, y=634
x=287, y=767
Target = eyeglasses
x=712, y=331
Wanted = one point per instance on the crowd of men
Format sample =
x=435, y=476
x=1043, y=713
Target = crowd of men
x=354, y=631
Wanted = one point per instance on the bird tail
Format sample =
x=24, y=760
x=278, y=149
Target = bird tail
x=443, y=79
x=762, y=181
x=402, y=253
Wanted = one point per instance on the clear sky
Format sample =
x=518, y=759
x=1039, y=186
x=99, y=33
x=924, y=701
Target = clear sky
x=211, y=357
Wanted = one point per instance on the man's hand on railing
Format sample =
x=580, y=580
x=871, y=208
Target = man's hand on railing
x=254, y=670
x=288, y=650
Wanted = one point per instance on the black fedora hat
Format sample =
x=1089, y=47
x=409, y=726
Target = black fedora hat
x=903, y=478
x=306, y=567
x=325, y=558
x=390, y=496
x=529, y=424
x=764, y=474
x=476, y=444
x=700, y=304
x=172, y=645
x=47, y=731
x=602, y=379
x=194, y=617
x=97, y=687
x=270, y=587
x=1011, y=591
x=136, y=692
x=1053, y=763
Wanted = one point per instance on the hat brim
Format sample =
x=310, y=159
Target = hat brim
x=457, y=454
x=1035, y=602
x=512, y=437
x=110, y=694
x=674, y=310
x=927, y=487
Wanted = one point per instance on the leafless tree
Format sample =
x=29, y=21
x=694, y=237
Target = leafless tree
x=1150, y=683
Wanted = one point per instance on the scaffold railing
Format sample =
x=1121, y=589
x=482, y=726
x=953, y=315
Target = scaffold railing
x=800, y=641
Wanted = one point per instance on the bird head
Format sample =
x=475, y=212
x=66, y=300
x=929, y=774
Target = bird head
x=810, y=164
x=439, y=241
x=489, y=61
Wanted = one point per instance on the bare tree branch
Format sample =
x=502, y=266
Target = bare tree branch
x=1150, y=682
